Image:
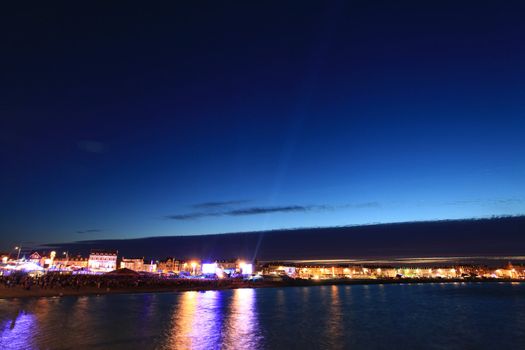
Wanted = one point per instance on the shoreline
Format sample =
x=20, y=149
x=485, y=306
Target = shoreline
x=36, y=292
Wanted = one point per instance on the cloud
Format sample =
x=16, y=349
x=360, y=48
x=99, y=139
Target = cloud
x=269, y=210
x=260, y=210
x=91, y=146
x=191, y=216
x=243, y=211
x=93, y=230
x=218, y=204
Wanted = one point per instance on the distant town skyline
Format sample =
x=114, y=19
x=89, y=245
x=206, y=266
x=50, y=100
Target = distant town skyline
x=120, y=122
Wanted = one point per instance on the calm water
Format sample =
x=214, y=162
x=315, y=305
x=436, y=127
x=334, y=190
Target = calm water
x=441, y=316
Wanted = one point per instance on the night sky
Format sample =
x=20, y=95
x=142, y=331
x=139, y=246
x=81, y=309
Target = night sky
x=126, y=121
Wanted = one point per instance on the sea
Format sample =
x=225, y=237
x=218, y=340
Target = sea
x=390, y=316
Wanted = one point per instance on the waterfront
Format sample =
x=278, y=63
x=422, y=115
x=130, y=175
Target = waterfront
x=450, y=315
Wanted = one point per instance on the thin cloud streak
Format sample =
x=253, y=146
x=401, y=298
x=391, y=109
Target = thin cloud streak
x=191, y=216
x=266, y=210
x=239, y=212
x=93, y=230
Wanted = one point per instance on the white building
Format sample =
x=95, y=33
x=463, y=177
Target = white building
x=102, y=261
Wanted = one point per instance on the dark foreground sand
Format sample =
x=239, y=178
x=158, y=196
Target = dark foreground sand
x=20, y=292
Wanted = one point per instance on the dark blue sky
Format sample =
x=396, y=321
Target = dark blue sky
x=136, y=121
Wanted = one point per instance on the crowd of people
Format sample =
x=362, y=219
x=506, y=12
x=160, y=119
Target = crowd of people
x=107, y=282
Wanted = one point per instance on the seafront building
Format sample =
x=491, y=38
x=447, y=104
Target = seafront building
x=138, y=265
x=35, y=258
x=134, y=264
x=169, y=265
x=102, y=260
x=77, y=262
x=327, y=271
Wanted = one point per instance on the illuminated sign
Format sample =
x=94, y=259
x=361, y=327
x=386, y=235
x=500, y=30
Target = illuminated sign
x=246, y=269
x=209, y=268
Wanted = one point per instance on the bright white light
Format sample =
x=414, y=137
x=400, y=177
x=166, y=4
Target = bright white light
x=209, y=268
x=29, y=266
x=246, y=269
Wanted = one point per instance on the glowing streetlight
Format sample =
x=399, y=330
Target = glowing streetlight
x=67, y=258
x=19, y=248
x=193, y=265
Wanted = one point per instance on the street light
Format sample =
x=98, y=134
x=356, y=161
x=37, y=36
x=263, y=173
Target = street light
x=193, y=265
x=19, y=248
x=67, y=258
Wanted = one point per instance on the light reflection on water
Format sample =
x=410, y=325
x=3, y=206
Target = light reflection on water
x=242, y=330
x=17, y=333
x=200, y=322
x=195, y=322
x=335, y=317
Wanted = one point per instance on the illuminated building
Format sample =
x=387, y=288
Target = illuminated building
x=35, y=258
x=189, y=266
x=192, y=267
x=331, y=271
x=169, y=265
x=77, y=262
x=132, y=264
x=150, y=267
x=102, y=261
